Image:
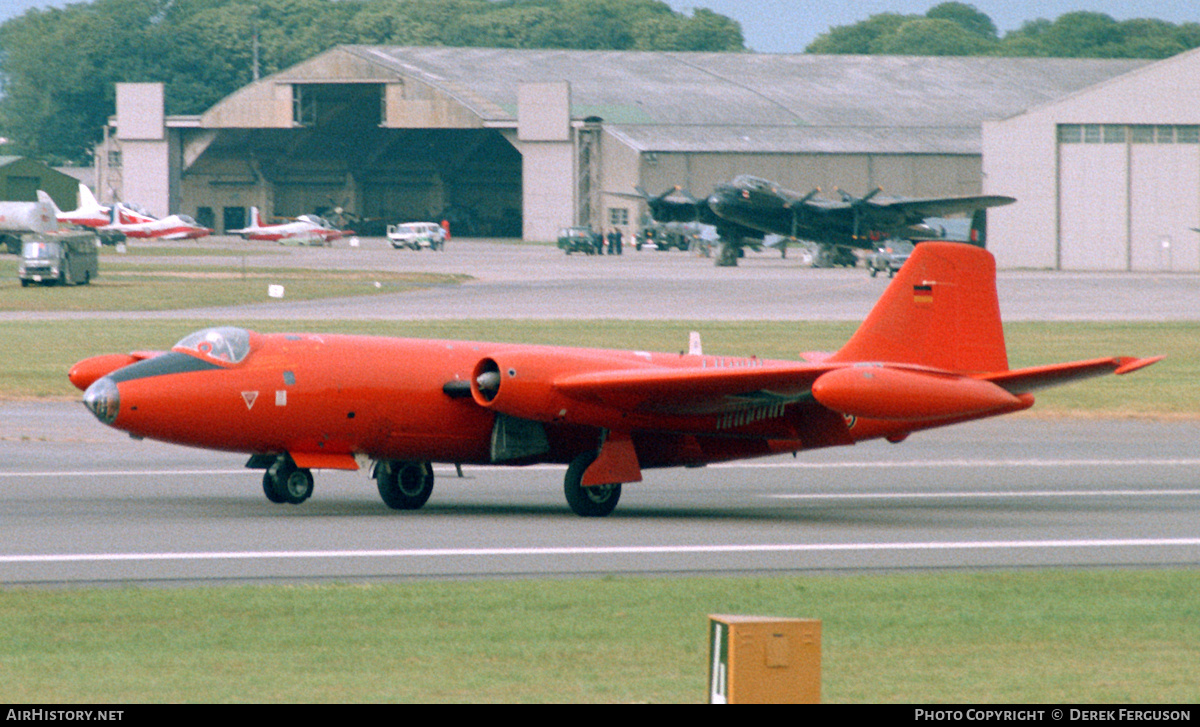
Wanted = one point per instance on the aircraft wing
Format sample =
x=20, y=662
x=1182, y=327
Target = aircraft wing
x=673, y=205
x=940, y=207
x=694, y=392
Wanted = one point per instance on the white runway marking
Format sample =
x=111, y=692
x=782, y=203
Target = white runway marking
x=968, y=495
x=604, y=550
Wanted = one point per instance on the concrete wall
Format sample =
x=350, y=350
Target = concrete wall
x=548, y=172
x=145, y=147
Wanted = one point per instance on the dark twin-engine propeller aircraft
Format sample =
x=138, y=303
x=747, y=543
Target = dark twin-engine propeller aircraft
x=931, y=353
x=747, y=208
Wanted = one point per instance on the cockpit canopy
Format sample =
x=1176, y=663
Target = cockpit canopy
x=225, y=344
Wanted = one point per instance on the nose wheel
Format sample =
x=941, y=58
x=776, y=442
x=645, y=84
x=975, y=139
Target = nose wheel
x=284, y=482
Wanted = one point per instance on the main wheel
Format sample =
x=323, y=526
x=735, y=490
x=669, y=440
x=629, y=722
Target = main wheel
x=297, y=486
x=595, y=501
x=404, y=485
x=269, y=488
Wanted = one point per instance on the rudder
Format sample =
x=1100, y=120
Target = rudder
x=941, y=311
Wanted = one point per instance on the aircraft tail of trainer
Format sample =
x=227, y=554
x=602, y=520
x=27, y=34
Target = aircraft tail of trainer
x=940, y=311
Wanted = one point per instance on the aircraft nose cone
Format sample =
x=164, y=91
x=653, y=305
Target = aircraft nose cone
x=103, y=399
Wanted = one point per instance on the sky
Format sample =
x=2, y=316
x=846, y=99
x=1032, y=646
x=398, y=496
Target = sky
x=787, y=26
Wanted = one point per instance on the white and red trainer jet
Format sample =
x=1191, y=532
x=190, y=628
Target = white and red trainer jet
x=305, y=228
x=136, y=225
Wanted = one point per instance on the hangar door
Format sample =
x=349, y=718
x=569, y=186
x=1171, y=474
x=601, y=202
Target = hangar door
x=1129, y=197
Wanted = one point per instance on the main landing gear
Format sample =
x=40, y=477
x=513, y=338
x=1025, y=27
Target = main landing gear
x=404, y=485
x=407, y=485
x=594, y=501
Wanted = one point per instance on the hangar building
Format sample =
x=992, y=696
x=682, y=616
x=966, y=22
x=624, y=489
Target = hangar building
x=522, y=142
x=1106, y=178
x=21, y=178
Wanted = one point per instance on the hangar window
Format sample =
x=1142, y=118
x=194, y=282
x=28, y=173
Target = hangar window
x=1164, y=134
x=1114, y=134
x=618, y=216
x=1091, y=134
x=1187, y=134
x=1070, y=133
x=1141, y=134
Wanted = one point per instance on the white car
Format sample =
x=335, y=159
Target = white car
x=416, y=235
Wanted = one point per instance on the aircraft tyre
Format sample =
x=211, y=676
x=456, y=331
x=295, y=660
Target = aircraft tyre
x=286, y=483
x=728, y=256
x=269, y=488
x=595, y=501
x=404, y=485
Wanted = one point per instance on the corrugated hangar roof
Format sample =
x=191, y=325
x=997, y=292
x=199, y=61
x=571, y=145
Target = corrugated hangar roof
x=722, y=101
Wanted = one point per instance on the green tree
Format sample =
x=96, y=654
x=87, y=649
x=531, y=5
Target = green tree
x=859, y=37
x=926, y=37
x=967, y=16
x=58, y=67
x=971, y=32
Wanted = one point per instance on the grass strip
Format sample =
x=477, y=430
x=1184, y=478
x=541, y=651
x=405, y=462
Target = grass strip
x=152, y=287
x=35, y=356
x=1000, y=637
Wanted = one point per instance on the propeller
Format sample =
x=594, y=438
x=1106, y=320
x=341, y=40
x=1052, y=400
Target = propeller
x=663, y=210
x=857, y=205
x=792, y=206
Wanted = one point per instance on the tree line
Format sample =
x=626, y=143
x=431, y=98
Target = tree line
x=959, y=29
x=58, y=67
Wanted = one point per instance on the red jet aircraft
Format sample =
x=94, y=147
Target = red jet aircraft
x=931, y=353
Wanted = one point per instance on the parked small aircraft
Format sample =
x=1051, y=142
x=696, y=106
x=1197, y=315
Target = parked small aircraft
x=931, y=353
x=305, y=228
x=748, y=207
x=137, y=225
x=89, y=213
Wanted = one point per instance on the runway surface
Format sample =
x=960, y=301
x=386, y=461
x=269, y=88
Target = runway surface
x=86, y=505
x=81, y=503
x=540, y=282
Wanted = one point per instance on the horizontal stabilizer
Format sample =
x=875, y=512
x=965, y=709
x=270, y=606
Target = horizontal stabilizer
x=1031, y=379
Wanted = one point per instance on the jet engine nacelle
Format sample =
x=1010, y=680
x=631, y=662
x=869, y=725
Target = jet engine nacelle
x=521, y=384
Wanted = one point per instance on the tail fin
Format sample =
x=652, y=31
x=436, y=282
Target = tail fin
x=254, y=218
x=47, y=202
x=978, y=233
x=941, y=311
x=87, y=200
